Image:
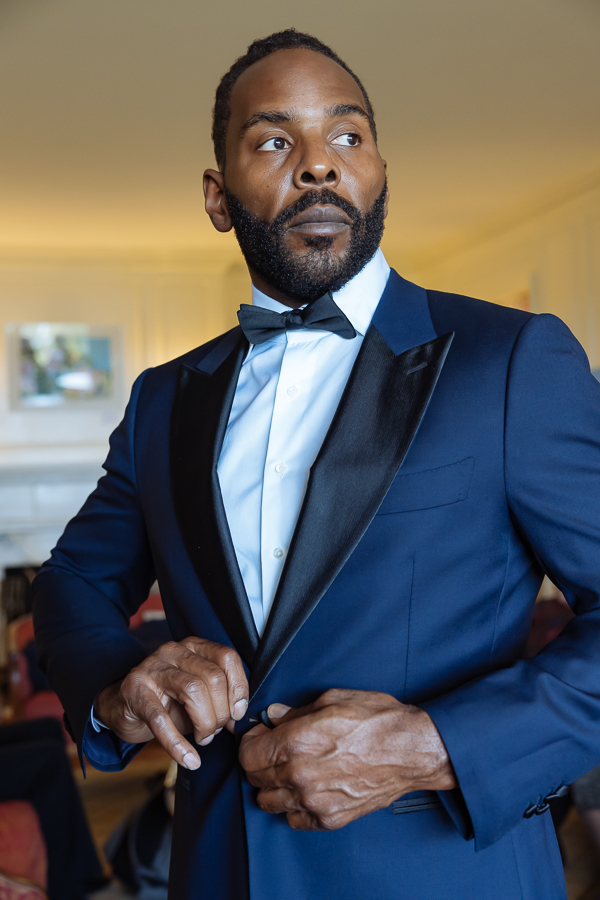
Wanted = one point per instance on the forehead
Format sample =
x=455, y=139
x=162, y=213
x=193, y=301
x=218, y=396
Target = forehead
x=292, y=79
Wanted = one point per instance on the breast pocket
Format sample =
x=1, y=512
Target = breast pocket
x=426, y=490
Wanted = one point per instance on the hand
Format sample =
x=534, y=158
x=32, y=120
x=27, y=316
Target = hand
x=346, y=755
x=193, y=686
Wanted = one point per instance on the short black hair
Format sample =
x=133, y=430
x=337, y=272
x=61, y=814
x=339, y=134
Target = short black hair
x=281, y=40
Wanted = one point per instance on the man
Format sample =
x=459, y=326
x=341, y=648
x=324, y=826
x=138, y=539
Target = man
x=349, y=503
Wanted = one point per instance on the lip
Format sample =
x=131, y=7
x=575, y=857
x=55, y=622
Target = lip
x=320, y=220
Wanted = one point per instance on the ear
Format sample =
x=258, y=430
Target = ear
x=215, y=202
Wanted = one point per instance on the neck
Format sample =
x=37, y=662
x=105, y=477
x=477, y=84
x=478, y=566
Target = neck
x=259, y=282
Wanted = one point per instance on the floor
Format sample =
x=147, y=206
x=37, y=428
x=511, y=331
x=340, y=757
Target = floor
x=108, y=797
x=582, y=866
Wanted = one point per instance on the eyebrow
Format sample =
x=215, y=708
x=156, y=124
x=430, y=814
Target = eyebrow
x=346, y=109
x=277, y=117
x=269, y=115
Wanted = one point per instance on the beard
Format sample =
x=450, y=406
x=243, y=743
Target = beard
x=307, y=276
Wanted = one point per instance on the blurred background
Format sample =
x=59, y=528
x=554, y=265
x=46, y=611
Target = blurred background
x=488, y=115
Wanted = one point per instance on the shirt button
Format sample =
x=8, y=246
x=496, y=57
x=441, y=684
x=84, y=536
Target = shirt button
x=281, y=469
x=292, y=391
x=277, y=552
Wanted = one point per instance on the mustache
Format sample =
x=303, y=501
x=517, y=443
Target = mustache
x=314, y=198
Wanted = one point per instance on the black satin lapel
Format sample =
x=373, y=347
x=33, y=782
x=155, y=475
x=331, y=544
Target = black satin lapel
x=371, y=433
x=200, y=416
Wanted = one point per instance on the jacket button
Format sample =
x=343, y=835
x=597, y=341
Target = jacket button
x=541, y=808
x=530, y=811
x=561, y=791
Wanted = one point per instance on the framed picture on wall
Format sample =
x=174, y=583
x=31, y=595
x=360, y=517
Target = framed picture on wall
x=64, y=365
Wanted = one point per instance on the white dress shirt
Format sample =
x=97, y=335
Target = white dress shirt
x=286, y=396
x=287, y=393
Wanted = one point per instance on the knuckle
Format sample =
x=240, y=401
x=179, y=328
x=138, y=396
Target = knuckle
x=327, y=822
x=310, y=802
x=301, y=821
x=263, y=801
x=192, y=645
x=333, y=695
x=133, y=683
x=298, y=777
x=195, y=689
x=214, y=678
x=226, y=657
x=168, y=650
x=157, y=717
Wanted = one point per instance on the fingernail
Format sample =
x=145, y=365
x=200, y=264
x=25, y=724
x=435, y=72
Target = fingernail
x=239, y=709
x=219, y=730
x=207, y=740
x=191, y=761
x=277, y=710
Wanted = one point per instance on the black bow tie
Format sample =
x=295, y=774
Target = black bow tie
x=260, y=324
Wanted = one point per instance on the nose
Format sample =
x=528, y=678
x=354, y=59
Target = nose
x=315, y=168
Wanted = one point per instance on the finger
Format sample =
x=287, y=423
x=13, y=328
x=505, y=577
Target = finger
x=196, y=698
x=182, y=658
x=151, y=711
x=230, y=663
x=276, y=711
x=180, y=718
x=280, y=713
x=301, y=820
x=259, y=749
x=277, y=800
x=257, y=731
x=270, y=778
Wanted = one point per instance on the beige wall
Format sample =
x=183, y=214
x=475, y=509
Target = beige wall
x=551, y=258
x=50, y=459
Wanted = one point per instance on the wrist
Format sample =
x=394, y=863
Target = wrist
x=106, y=704
x=420, y=753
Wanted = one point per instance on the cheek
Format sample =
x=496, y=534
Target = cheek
x=364, y=183
x=264, y=188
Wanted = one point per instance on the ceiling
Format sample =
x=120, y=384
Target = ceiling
x=485, y=108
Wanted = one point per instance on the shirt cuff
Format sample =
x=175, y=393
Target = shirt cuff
x=97, y=724
x=104, y=750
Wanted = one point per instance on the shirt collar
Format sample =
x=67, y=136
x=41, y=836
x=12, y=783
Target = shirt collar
x=358, y=298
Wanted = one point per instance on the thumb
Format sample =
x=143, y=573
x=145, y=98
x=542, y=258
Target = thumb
x=279, y=713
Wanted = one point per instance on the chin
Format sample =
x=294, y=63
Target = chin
x=331, y=243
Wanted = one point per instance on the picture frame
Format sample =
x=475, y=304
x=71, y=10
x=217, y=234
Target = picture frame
x=64, y=365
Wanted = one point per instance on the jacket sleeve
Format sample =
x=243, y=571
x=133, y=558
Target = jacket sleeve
x=519, y=734
x=98, y=575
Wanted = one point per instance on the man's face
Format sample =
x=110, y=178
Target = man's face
x=304, y=184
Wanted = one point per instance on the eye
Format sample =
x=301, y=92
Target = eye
x=347, y=140
x=276, y=143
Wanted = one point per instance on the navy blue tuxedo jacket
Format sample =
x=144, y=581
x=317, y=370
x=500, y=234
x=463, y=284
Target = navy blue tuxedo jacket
x=463, y=462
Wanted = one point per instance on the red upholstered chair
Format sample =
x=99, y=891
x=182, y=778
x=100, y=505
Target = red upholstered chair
x=26, y=703
x=23, y=858
x=150, y=610
x=549, y=618
x=30, y=704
